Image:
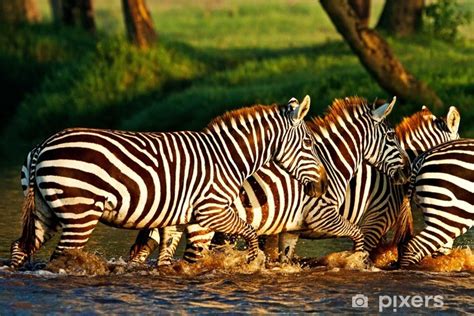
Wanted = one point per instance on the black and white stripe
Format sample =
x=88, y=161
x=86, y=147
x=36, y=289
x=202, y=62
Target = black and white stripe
x=442, y=186
x=352, y=131
x=146, y=180
x=373, y=200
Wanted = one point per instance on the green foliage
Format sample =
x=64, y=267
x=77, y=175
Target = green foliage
x=443, y=18
x=273, y=80
x=108, y=83
x=211, y=57
x=29, y=53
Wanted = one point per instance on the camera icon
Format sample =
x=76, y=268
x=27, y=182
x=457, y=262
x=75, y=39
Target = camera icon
x=360, y=301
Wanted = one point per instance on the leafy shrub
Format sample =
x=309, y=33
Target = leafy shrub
x=103, y=87
x=443, y=18
x=29, y=53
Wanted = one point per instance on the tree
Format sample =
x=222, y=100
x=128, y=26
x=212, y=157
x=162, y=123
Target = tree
x=376, y=56
x=362, y=9
x=19, y=11
x=56, y=10
x=138, y=22
x=78, y=13
x=401, y=17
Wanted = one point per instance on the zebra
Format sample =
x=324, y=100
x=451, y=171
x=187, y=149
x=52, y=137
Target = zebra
x=372, y=198
x=442, y=186
x=80, y=176
x=350, y=132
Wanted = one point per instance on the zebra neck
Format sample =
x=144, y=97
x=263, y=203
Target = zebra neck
x=412, y=145
x=420, y=138
x=341, y=155
x=238, y=153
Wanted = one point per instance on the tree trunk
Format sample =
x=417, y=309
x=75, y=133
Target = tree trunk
x=56, y=11
x=362, y=9
x=19, y=11
x=78, y=13
x=375, y=55
x=401, y=17
x=138, y=22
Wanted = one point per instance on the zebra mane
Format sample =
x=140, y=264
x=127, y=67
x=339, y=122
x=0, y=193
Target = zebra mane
x=237, y=114
x=339, y=108
x=414, y=122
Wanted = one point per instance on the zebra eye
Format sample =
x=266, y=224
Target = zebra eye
x=307, y=142
x=391, y=134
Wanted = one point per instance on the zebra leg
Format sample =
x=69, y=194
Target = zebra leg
x=375, y=233
x=43, y=233
x=227, y=221
x=75, y=233
x=270, y=247
x=333, y=224
x=424, y=243
x=146, y=242
x=199, y=239
x=445, y=249
x=45, y=225
x=170, y=237
x=287, y=246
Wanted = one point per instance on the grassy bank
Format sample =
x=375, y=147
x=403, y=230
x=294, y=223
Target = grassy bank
x=212, y=56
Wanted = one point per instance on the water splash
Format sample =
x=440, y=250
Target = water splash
x=384, y=256
x=79, y=262
x=459, y=259
x=348, y=260
x=226, y=259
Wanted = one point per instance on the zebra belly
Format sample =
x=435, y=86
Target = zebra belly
x=266, y=218
x=74, y=200
x=176, y=217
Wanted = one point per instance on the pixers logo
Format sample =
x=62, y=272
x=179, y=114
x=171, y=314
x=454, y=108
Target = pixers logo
x=416, y=301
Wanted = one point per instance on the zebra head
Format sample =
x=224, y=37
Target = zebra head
x=296, y=152
x=384, y=151
x=423, y=130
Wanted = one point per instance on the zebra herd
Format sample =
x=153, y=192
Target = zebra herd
x=257, y=171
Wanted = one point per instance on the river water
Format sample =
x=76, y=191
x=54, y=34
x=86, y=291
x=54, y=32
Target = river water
x=99, y=280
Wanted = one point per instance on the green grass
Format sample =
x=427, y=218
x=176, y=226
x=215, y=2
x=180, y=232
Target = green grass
x=212, y=56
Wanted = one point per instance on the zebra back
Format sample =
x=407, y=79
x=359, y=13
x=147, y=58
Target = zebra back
x=442, y=185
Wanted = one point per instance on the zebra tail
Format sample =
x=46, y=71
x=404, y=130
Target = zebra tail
x=28, y=237
x=403, y=229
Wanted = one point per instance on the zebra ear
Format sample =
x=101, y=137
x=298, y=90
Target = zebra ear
x=304, y=107
x=299, y=111
x=427, y=113
x=453, y=119
x=384, y=110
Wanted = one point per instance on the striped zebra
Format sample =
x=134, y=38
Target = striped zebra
x=272, y=202
x=442, y=186
x=373, y=199
x=133, y=180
